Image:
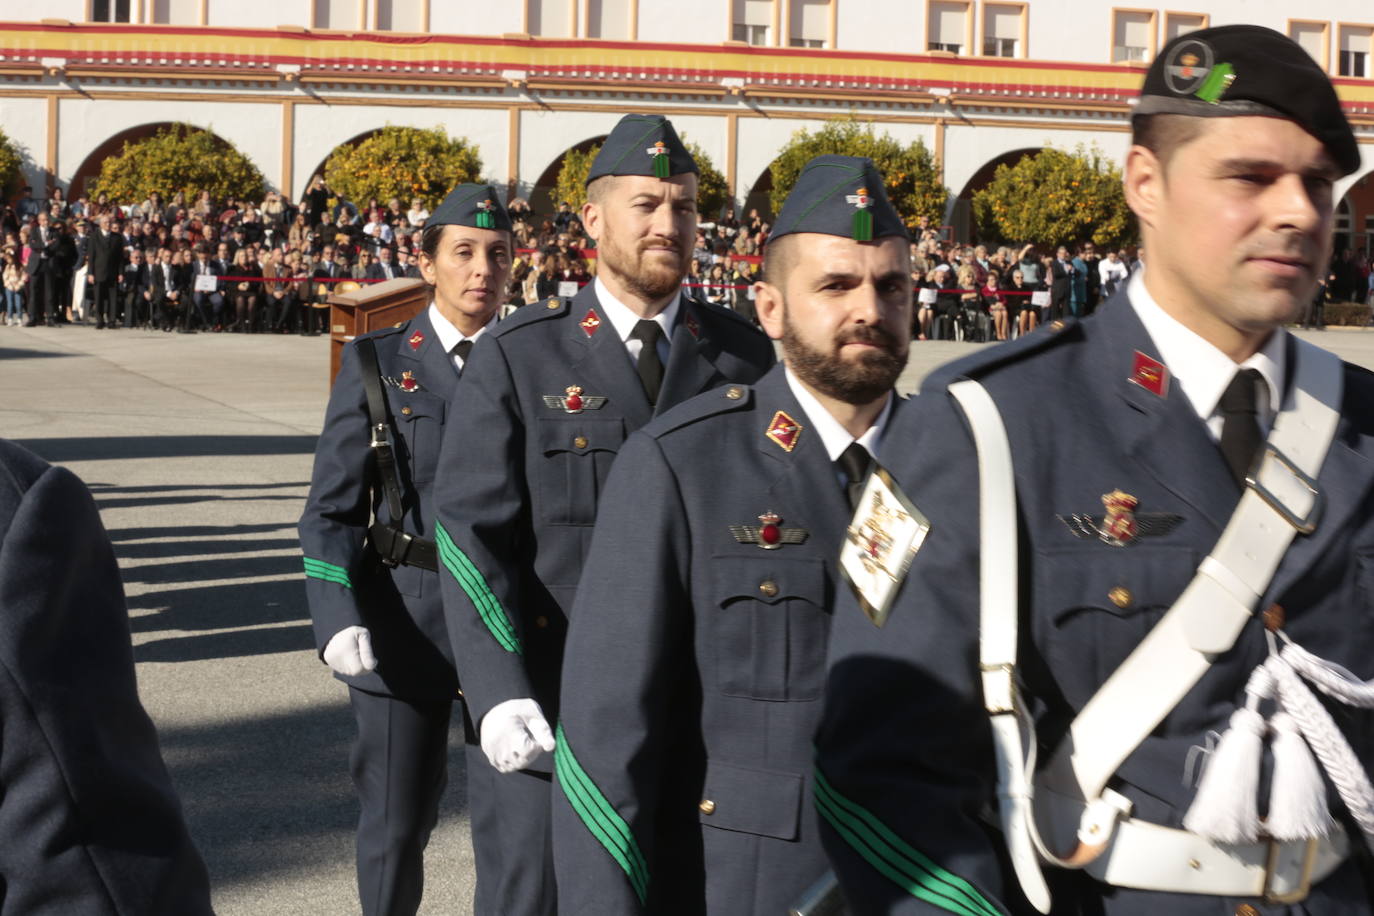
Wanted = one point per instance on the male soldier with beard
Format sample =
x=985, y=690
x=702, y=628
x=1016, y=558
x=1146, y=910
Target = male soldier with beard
x=685, y=774
x=550, y=395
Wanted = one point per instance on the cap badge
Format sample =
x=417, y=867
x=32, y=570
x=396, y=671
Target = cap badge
x=784, y=431
x=768, y=534
x=863, y=219
x=485, y=218
x=1150, y=374
x=1122, y=525
x=1187, y=66
x=573, y=401
x=590, y=323
x=662, y=167
x=1217, y=82
x=416, y=339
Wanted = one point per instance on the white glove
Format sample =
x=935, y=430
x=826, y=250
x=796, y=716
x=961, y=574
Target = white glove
x=514, y=734
x=349, y=652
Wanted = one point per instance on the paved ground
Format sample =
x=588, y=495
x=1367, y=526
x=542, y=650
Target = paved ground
x=198, y=451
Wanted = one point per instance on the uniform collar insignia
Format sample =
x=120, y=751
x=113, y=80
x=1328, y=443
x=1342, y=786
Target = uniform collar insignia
x=1150, y=374
x=1122, y=525
x=784, y=431
x=574, y=401
x=690, y=323
x=416, y=339
x=590, y=323
x=768, y=533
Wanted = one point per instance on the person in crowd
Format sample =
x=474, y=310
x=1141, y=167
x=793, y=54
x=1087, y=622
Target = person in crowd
x=1113, y=273
x=166, y=290
x=1030, y=264
x=1092, y=276
x=135, y=291
x=13, y=278
x=44, y=269
x=105, y=263
x=207, y=303
x=995, y=301
x=245, y=291
x=1060, y=276
x=972, y=317
x=385, y=267
x=1019, y=294
x=417, y=214
x=362, y=267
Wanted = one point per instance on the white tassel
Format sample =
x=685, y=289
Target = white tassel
x=1297, y=797
x=1226, y=807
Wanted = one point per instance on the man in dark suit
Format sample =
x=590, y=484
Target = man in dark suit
x=708, y=584
x=555, y=389
x=330, y=267
x=1180, y=544
x=1062, y=273
x=135, y=287
x=385, y=267
x=44, y=271
x=208, y=303
x=166, y=292
x=106, y=264
x=89, y=821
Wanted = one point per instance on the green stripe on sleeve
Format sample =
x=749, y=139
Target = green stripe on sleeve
x=895, y=859
x=319, y=569
x=608, y=827
x=475, y=586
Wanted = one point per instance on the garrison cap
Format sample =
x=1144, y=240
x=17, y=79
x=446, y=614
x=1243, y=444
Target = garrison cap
x=839, y=195
x=474, y=205
x=1234, y=70
x=642, y=145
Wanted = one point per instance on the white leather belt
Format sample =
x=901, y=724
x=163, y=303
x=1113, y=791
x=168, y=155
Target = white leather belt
x=1147, y=856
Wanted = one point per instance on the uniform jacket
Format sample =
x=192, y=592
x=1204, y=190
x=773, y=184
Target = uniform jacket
x=905, y=742
x=89, y=821
x=701, y=740
x=345, y=583
x=516, y=511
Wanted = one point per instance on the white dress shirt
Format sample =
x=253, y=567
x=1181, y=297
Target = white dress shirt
x=835, y=437
x=624, y=319
x=450, y=337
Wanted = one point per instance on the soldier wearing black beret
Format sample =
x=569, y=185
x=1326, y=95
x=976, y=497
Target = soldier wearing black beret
x=556, y=389
x=1116, y=600
x=371, y=564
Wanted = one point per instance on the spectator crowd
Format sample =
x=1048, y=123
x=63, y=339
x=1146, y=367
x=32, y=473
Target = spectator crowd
x=268, y=267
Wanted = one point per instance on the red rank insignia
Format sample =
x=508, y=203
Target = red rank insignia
x=416, y=339
x=692, y=327
x=768, y=534
x=784, y=431
x=1119, y=525
x=590, y=323
x=1150, y=374
x=408, y=382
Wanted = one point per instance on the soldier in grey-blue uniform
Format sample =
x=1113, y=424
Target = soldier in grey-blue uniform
x=1184, y=764
x=696, y=649
x=558, y=387
x=89, y=821
x=370, y=562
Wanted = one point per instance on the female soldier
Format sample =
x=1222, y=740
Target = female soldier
x=370, y=558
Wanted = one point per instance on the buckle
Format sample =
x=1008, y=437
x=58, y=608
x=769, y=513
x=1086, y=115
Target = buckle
x=379, y=437
x=1304, y=886
x=1306, y=523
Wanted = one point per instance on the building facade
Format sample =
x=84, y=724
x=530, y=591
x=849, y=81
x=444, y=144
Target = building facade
x=980, y=82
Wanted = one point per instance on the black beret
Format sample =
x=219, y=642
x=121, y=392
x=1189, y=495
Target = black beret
x=642, y=145
x=1234, y=70
x=839, y=195
x=474, y=205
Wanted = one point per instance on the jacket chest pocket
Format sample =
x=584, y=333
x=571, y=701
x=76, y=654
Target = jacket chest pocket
x=771, y=626
x=1100, y=602
x=420, y=421
x=577, y=454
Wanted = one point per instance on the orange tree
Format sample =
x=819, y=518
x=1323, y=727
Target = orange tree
x=571, y=185
x=179, y=157
x=11, y=165
x=404, y=162
x=913, y=182
x=1055, y=197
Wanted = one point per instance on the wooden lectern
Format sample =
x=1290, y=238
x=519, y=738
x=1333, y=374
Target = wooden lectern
x=375, y=306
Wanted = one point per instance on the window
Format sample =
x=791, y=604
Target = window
x=1313, y=37
x=947, y=26
x=1176, y=24
x=110, y=11
x=176, y=12
x=751, y=21
x=338, y=14
x=1355, y=48
x=550, y=18
x=1003, y=26
x=608, y=19
x=1133, y=35
x=808, y=23
x=400, y=15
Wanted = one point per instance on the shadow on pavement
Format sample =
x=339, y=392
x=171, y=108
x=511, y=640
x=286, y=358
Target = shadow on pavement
x=233, y=644
x=137, y=534
x=221, y=607
x=136, y=501
x=192, y=548
x=107, y=448
x=15, y=353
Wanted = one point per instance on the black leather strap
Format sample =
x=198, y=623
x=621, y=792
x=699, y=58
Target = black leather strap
x=395, y=546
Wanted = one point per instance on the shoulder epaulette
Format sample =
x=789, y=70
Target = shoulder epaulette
x=538, y=310
x=979, y=364
x=396, y=328
x=724, y=399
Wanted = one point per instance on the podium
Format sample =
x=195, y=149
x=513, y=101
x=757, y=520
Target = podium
x=371, y=308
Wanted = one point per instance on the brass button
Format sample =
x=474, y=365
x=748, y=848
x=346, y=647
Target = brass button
x=1273, y=618
x=406, y=411
x=707, y=806
x=553, y=303
x=1056, y=325
x=1246, y=909
x=580, y=442
x=768, y=587
x=734, y=392
x=1120, y=596
x=541, y=622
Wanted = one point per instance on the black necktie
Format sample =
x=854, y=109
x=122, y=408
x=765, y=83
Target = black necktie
x=1240, y=429
x=462, y=348
x=854, y=463
x=648, y=332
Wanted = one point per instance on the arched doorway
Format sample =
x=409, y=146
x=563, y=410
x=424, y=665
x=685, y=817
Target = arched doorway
x=83, y=179
x=1354, y=218
x=319, y=167
x=541, y=193
x=960, y=215
x=758, y=197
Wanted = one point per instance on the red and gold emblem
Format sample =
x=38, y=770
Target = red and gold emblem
x=416, y=339
x=574, y=401
x=692, y=327
x=590, y=323
x=768, y=533
x=408, y=382
x=784, y=431
x=1150, y=374
x=1119, y=525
